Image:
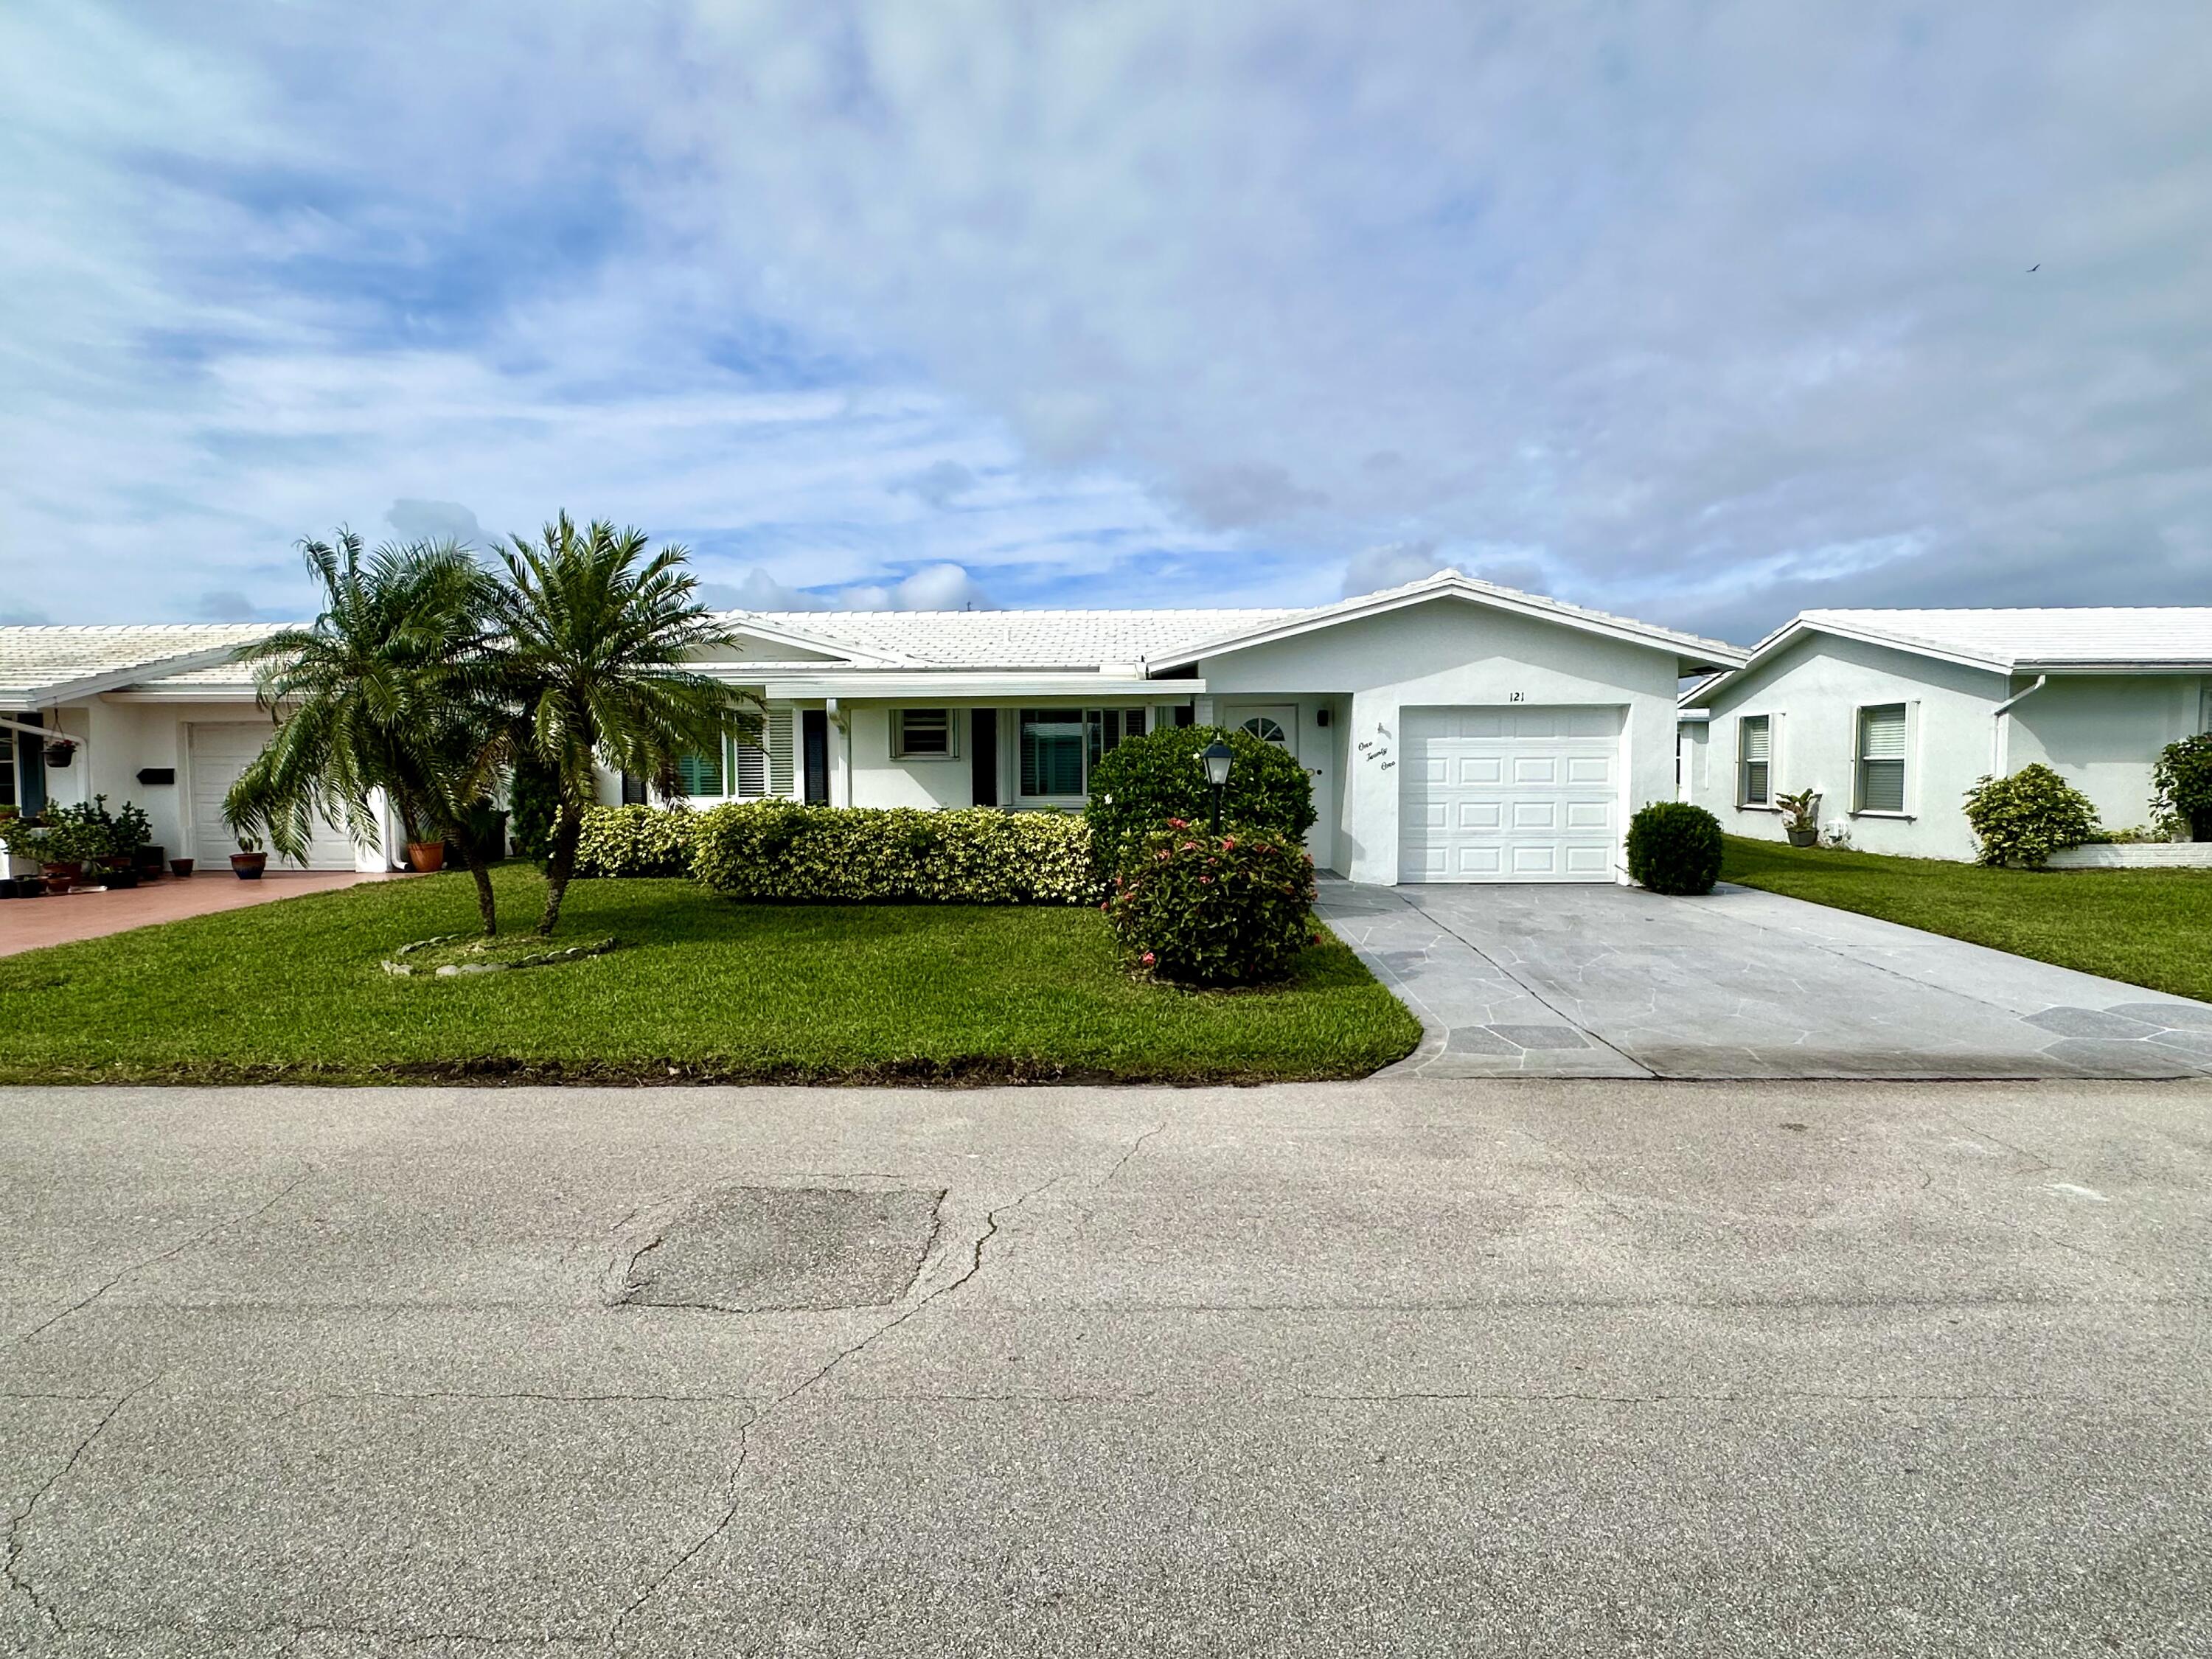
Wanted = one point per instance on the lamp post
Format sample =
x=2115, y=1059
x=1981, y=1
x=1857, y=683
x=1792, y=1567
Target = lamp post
x=1218, y=758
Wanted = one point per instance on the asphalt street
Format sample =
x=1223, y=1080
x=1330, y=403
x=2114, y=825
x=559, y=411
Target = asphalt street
x=1469, y=1366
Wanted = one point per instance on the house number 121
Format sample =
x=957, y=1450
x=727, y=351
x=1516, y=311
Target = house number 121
x=1516, y=697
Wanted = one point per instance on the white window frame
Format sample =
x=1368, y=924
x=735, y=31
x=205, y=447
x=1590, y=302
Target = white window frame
x=1744, y=762
x=1011, y=756
x=1908, y=775
x=950, y=751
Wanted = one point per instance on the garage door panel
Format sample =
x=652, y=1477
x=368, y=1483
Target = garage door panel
x=219, y=755
x=1514, y=794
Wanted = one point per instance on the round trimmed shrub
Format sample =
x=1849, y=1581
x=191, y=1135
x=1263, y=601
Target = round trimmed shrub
x=1199, y=908
x=2025, y=818
x=1145, y=782
x=1674, y=847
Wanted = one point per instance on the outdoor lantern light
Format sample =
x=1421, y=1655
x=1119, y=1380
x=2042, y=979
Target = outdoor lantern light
x=1218, y=758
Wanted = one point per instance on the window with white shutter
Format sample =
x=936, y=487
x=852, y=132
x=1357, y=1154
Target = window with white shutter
x=1754, y=747
x=782, y=770
x=1881, y=758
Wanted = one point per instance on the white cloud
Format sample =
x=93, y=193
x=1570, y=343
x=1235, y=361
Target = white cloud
x=1704, y=312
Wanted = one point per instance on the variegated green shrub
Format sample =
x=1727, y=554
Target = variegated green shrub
x=859, y=855
x=636, y=840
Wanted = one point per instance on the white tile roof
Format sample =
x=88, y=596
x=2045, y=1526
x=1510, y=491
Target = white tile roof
x=2087, y=635
x=45, y=658
x=1010, y=639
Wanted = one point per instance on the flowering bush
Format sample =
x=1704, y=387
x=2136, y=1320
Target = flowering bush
x=860, y=854
x=1140, y=785
x=2025, y=818
x=1204, y=910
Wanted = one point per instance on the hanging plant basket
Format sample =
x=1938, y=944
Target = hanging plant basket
x=60, y=753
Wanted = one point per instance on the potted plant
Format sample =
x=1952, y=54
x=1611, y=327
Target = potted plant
x=60, y=751
x=1801, y=817
x=249, y=860
x=428, y=857
x=180, y=867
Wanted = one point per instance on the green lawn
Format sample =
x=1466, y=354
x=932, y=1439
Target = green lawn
x=2150, y=927
x=702, y=990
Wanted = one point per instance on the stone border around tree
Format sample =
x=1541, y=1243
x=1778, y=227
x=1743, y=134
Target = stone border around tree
x=402, y=969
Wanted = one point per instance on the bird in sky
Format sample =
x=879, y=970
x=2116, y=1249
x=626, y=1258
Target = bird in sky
x=2037, y=266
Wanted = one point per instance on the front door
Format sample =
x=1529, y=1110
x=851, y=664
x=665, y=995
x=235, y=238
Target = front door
x=1275, y=723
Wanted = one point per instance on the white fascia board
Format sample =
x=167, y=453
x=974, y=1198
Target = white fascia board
x=1693, y=716
x=963, y=687
x=233, y=691
x=1685, y=647
x=2079, y=665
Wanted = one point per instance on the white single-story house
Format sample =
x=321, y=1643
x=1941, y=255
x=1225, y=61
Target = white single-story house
x=1453, y=729
x=1892, y=716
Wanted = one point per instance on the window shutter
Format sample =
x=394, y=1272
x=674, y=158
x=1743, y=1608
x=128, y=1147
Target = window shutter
x=782, y=774
x=750, y=767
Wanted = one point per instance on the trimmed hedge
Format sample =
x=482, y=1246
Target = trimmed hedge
x=1198, y=909
x=1674, y=847
x=1145, y=782
x=903, y=854
x=2026, y=817
x=636, y=840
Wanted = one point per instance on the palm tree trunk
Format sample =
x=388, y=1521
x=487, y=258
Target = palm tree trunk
x=462, y=840
x=567, y=831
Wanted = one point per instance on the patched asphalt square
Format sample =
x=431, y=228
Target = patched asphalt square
x=758, y=1249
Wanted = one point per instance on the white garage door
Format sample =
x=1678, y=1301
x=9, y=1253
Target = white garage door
x=1519, y=794
x=219, y=755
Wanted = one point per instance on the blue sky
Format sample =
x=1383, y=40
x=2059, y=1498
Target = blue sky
x=1703, y=312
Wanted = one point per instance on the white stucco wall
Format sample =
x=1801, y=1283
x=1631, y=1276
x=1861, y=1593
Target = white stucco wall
x=122, y=738
x=1450, y=653
x=2101, y=733
x=880, y=781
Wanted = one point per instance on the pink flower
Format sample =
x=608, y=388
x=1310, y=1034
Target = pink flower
x=1189, y=847
x=1108, y=904
x=1178, y=824
x=1227, y=843
x=1206, y=881
x=1163, y=855
x=1316, y=938
x=1149, y=958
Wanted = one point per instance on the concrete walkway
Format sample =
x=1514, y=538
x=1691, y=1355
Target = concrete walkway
x=31, y=924
x=1614, y=982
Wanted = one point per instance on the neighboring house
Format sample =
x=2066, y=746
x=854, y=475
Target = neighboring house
x=1894, y=715
x=1453, y=729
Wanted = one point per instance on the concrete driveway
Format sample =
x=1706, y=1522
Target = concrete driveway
x=1424, y=1368
x=1614, y=982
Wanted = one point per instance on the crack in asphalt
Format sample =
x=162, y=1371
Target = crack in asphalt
x=744, y=1434
x=9, y=1564
x=170, y=1255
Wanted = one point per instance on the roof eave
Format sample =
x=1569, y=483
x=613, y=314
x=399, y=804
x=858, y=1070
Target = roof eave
x=1688, y=648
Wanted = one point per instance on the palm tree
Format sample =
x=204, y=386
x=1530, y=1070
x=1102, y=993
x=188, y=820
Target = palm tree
x=593, y=635
x=391, y=688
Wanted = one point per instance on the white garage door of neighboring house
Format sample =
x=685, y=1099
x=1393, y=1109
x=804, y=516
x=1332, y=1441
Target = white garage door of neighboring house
x=219, y=755
x=1510, y=794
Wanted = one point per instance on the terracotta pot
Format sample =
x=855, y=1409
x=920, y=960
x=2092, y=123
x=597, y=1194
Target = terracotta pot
x=180, y=866
x=248, y=866
x=65, y=870
x=426, y=856
x=58, y=884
